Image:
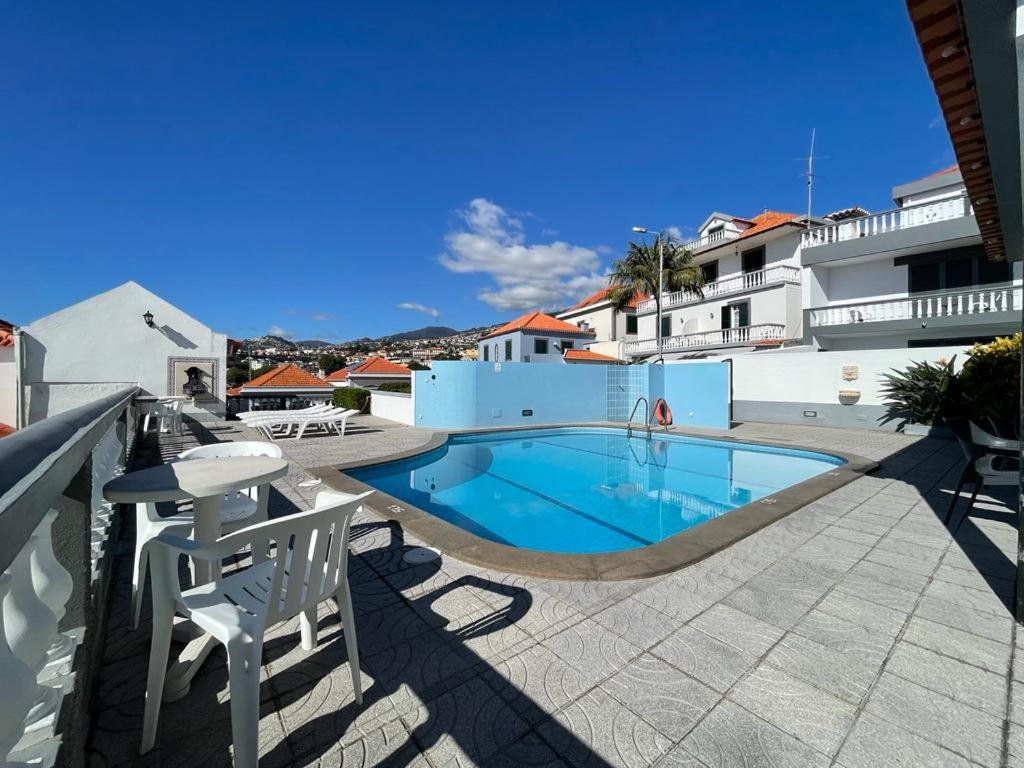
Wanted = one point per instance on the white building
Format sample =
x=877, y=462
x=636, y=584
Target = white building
x=8, y=379
x=533, y=338
x=370, y=374
x=286, y=386
x=612, y=327
x=751, y=294
x=913, y=276
x=124, y=336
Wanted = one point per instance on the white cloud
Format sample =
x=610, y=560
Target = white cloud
x=542, y=275
x=277, y=330
x=676, y=232
x=414, y=307
x=322, y=316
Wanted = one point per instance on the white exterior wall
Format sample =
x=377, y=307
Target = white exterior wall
x=942, y=193
x=394, y=406
x=102, y=343
x=371, y=382
x=608, y=324
x=8, y=387
x=866, y=281
x=522, y=347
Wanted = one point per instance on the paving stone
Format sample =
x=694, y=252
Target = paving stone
x=537, y=682
x=872, y=616
x=596, y=730
x=587, y=597
x=874, y=742
x=981, y=600
x=593, y=649
x=667, y=597
x=970, y=577
x=958, y=727
x=469, y=721
x=891, y=577
x=711, y=661
x=963, y=682
x=531, y=751
x=780, y=609
x=846, y=674
x=875, y=591
x=743, y=632
x=973, y=649
x=669, y=700
x=637, y=622
x=811, y=715
x=845, y=636
x=731, y=736
x=966, y=619
x=678, y=757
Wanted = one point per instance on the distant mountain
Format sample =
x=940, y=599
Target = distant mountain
x=430, y=332
x=269, y=341
x=313, y=344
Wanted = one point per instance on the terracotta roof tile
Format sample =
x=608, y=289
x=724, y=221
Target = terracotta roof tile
x=6, y=429
x=538, y=321
x=940, y=172
x=288, y=376
x=234, y=391
x=6, y=339
x=378, y=366
x=768, y=220
x=587, y=356
x=339, y=375
x=602, y=295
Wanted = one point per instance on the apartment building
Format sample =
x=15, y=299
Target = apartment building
x=751, y=296
x=533, y=338
x=613, y=327
x=913, y=276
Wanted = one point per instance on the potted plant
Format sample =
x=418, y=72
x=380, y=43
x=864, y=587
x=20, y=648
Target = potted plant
x=919, y=395
x=990, y=383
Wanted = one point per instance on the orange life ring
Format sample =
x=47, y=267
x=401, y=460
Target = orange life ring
x=662, y=412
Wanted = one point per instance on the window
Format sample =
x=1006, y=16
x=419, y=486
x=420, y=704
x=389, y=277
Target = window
x=736, y=315
x=952, y=269
x=540, y=346
x=566, y=345
x=486, y=355
x=508, y=349
x=712, y=231
x=925, y=277
x=753, y=260
x=666, y=325
x=710, y=271
x=630, y=324
x=993, y=271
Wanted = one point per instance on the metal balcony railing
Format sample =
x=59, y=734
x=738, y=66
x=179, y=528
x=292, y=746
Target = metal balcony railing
x=727, y=286
x=724, y=337
x=977, y=300
x=887, y=221
x=51, y=605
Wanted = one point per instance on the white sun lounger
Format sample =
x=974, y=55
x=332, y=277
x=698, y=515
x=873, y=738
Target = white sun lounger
x=335, y=420
x=250, y=415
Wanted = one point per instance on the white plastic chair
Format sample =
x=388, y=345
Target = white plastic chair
x=237, y=510
x=167, y=414
x=310, y=564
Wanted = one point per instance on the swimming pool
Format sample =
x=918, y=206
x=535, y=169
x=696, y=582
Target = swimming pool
x=588, y=490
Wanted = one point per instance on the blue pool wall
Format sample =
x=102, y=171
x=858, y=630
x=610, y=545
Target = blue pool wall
x=468, y=395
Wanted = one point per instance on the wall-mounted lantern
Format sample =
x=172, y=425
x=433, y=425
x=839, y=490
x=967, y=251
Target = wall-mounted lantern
x=148, y=317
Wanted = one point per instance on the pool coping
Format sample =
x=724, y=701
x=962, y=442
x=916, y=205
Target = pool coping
x=668, y=555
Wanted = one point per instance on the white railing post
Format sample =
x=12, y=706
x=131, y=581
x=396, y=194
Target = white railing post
x=19, y=684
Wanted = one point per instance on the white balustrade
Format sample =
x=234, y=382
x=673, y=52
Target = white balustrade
x=82, y=449
x=957, y=303
x=710, y=239
x=19, y=685
x=748, y=334
x=887, y=221
x=745, y=281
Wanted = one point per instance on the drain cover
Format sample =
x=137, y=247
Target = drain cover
x=421, y=555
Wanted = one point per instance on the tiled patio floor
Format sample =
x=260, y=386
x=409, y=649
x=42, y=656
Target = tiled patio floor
x=856, y=632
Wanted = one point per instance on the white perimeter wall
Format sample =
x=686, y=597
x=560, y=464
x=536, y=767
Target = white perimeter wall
x=817, y=377
x=394, y=406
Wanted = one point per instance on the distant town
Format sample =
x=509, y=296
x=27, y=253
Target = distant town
x=416, y=348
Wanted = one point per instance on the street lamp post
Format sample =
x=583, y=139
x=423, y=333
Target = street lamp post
x=661, y=284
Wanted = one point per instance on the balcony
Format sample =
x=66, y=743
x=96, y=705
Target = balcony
x=968, y=306
x=725, y=337
x=713, y=238
x=727, y=286
x=913, y=229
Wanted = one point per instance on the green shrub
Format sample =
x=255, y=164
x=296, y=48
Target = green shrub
x=920, y=394
x=990, y=381
x=351, y=397
x=396, y=386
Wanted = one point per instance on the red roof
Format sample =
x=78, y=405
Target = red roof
x=6, y=339
x=234, y=390
x=378, y=366
x=538, y=321
x=950, y=169
x=585, y=355
x=602, y=295
x=339, y=375
x=287, y=376
x=768, y=220
x=6, y=429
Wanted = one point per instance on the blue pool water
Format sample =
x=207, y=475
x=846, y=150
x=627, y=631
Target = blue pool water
x=588, y=490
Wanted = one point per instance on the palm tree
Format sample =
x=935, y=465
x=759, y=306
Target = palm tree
x=637, y=271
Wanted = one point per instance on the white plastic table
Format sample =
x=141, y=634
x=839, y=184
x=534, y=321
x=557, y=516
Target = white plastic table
x=205, y=481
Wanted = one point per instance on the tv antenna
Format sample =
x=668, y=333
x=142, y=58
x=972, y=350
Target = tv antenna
x=809, y=173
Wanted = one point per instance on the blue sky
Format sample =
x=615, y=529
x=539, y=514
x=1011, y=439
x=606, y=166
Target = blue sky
x=311, y=167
